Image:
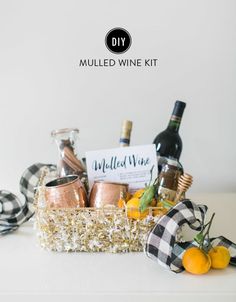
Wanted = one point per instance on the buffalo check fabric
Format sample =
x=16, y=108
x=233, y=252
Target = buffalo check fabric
x=14, y=212
x=161, y=245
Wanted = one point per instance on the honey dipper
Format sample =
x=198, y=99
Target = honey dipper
x=184, y=183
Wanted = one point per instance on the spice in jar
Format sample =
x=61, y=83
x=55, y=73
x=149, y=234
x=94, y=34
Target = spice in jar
x=168, y=179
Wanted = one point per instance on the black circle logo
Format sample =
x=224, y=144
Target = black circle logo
x=118, y=40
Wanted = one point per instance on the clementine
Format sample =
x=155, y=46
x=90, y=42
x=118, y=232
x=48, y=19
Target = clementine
x=139, y=193
x=220, y=257
x=196, y=261
x=133, y=210
x=121, y=203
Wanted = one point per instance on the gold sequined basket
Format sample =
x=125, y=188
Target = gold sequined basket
x=106, y=229
x=91, y=230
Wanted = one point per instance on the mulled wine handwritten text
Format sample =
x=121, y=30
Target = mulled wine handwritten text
x=114, y=163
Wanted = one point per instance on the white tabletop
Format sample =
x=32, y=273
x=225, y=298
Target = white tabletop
x=30, y=273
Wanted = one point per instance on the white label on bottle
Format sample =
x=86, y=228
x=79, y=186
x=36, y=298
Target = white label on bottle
x=166, y=193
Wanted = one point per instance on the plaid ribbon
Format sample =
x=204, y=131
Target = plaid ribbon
x=12, y=211
x=161, y=244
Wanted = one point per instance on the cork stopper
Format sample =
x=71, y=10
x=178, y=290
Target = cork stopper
x=125, y=133
x=127, y=125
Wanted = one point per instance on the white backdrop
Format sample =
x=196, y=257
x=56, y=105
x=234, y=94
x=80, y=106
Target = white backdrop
x=42, y=87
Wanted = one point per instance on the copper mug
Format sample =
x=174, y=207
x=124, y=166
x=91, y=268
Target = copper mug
x=107, y=193
x=65, y=192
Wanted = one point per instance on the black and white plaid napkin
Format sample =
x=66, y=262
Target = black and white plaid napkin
x=13, y=212
x=161, y=244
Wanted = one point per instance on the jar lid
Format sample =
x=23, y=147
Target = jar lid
x=64, y=130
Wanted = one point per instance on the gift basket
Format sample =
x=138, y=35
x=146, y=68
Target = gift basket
x=90, y=229
x=109, y=228
x=118, y=200
x=108, y=217
x=64, y=223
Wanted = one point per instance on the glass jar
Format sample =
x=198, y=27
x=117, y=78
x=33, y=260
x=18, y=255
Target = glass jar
x=69, y=164
x=168, y=179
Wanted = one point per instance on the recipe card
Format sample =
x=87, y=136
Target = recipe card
x=131, y=165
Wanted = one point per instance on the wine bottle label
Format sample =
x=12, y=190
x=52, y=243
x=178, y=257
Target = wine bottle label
x=166, y=193
x=174, y=122
x=175, y=118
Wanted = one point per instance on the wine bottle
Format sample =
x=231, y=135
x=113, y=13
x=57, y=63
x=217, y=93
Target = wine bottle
x=125, y=133
x=168, y=142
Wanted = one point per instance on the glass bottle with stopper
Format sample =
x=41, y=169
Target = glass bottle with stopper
x=69, y=164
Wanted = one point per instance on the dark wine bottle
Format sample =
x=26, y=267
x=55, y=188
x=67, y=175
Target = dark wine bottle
x=168, y=142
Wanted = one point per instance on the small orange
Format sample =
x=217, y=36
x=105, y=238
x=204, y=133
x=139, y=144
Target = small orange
x=196, y=261
x=133, y=209
x=121, y=203
x=220, y=257
x=139, y=193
